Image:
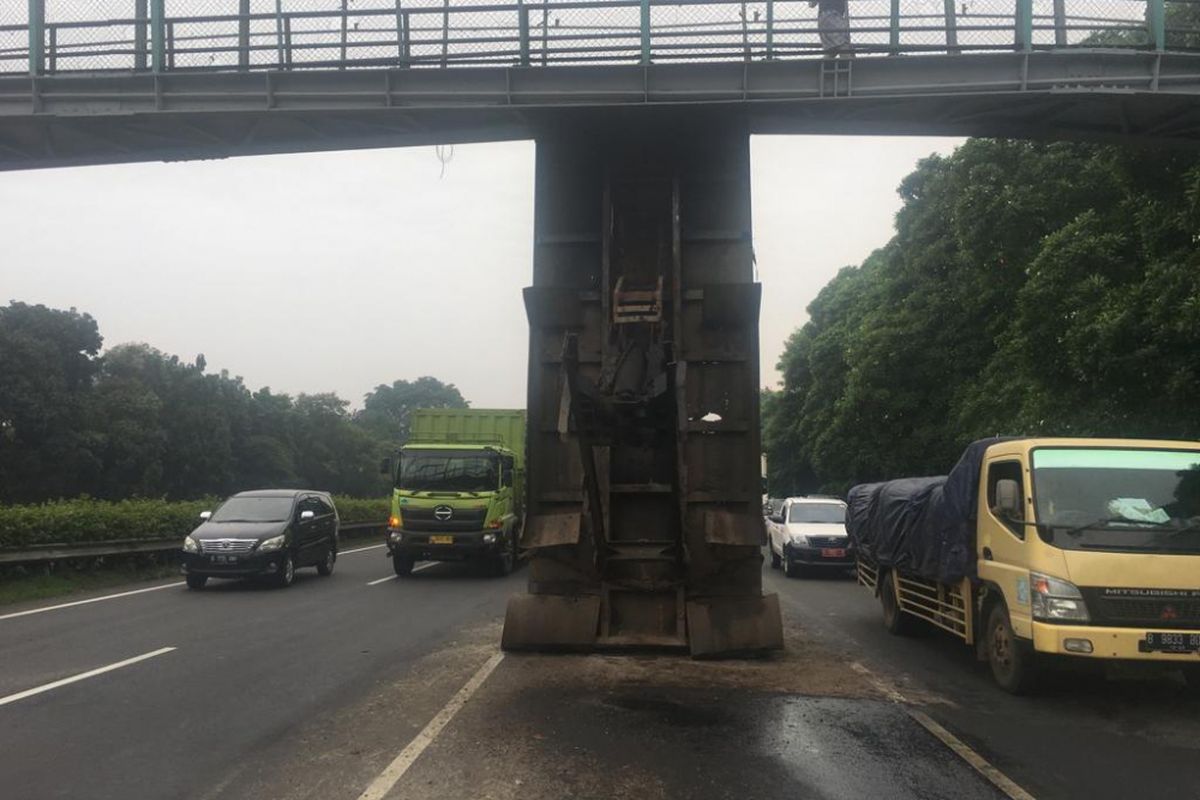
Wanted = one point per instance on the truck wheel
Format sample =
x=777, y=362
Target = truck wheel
x=287, y=572
x=1011, y=659
x=1191, y=678
x=895, y=619
x=504, y=563
x=326, y=565
x=776, y=561
x=196, y=581
x=402, y=565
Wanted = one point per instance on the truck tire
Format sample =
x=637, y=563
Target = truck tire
x=196, y=581
x=1012, y=659
x=1191, y=678
x=402, y=565
x=504, y=563
x=897, y=621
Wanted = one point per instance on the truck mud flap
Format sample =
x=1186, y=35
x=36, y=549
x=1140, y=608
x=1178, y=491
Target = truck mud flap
x=721, y=627
x=551, y=622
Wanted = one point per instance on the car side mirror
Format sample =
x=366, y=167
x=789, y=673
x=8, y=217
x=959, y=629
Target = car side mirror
x=776, y=518
x=205, y=515
x=385, y=466
x=1008, y=499
x=305, y=516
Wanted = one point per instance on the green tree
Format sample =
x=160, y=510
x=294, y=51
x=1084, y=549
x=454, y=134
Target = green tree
x=386, y=409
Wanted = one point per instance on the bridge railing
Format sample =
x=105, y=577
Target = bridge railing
x=65, y=36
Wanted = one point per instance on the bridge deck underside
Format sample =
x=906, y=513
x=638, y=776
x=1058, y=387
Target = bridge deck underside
x=109, y=118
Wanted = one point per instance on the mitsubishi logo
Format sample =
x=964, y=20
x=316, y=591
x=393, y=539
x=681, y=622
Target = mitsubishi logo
x=1168, y=613
x=443, y=513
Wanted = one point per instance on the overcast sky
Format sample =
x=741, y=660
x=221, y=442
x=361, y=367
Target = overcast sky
x=340, y=271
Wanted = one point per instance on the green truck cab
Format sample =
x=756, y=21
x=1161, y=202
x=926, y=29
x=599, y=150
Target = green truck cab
x=458, y=489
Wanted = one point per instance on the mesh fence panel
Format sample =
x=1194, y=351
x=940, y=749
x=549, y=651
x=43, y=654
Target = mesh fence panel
x=14, y=38
x=82, y=35
x=96, y=35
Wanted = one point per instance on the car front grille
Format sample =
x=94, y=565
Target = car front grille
x=231, y=547
x=828, y=541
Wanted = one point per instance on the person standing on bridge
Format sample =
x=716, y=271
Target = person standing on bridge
x=833, y=26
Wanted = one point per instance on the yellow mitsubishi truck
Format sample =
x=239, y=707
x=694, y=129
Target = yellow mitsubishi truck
x=1032, y=548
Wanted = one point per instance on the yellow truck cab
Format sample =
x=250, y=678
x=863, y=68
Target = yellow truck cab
x=1085, y=548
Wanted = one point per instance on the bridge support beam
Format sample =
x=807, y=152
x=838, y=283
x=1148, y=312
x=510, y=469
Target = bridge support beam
x=644, y=522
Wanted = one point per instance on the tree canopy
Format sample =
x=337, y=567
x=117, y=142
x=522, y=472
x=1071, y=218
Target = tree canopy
x=136, y=422
x=1030, y=288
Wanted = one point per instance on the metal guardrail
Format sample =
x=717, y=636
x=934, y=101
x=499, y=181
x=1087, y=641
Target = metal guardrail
x=57, y=552
x=42, y=37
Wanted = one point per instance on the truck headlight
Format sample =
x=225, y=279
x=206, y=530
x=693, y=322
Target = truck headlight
x=272, y=544
x=190, y=545
x=1056, y=600
x=396, y=536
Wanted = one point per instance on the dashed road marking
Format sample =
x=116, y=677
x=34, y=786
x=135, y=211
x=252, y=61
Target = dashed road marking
x=91, y=673
x=980, y=764
x=90, y=600
x=426, y=565
x=360, y=549
x=394, y=771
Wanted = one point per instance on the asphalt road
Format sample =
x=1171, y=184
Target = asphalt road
x=318, y=690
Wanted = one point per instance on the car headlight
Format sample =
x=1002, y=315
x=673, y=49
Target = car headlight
x=190, y=545
x=798, y=541
x=272, y=544
x=1056, y=600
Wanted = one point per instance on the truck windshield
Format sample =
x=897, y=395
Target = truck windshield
x=817, y=512
x=448, y=471
x=1118, y=499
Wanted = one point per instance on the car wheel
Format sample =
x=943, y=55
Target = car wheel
x=776, y=561
x=791, y=568
x=896, y=620
x=326, y=565
x=287, y=572
x=196, y=581
x=402, y=565
x=1011, y=659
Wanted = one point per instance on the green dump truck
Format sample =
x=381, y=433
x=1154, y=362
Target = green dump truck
x=458, y=488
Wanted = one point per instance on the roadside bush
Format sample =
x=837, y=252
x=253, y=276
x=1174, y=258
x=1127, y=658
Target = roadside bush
x=88, y=521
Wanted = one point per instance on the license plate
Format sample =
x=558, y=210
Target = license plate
x=833, y=552
x=441, y=540
x=224, y=559
x=1170, y=643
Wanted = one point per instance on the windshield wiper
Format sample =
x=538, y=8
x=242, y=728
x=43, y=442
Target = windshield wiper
x=1078, y=529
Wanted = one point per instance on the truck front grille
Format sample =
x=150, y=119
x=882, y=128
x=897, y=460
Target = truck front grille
x=461, y=519
x=1144, y=612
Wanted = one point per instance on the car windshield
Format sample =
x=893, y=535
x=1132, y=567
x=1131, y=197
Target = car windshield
x=254, y=509
x=818, y=512
x=442, y=471
x=1118, y=499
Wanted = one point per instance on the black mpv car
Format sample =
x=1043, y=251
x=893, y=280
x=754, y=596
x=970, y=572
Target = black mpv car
x=268, y=533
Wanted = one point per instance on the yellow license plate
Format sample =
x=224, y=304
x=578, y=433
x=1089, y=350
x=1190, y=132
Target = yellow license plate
x=441, y=540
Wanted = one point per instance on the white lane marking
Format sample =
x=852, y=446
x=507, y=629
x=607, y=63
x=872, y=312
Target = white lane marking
x=426, y=565
x=998, y=778
x=960, y=748
x=360, y=549
x=91, y=673
x=394, y=771
x=91, y=600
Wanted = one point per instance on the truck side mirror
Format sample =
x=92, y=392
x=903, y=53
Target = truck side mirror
x=385, y=466
x=506, y=477
x=1008, y=499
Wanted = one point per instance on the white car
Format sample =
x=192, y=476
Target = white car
x=809, y=532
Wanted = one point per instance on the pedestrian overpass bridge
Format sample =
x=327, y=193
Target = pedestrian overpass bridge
x=105, y=81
